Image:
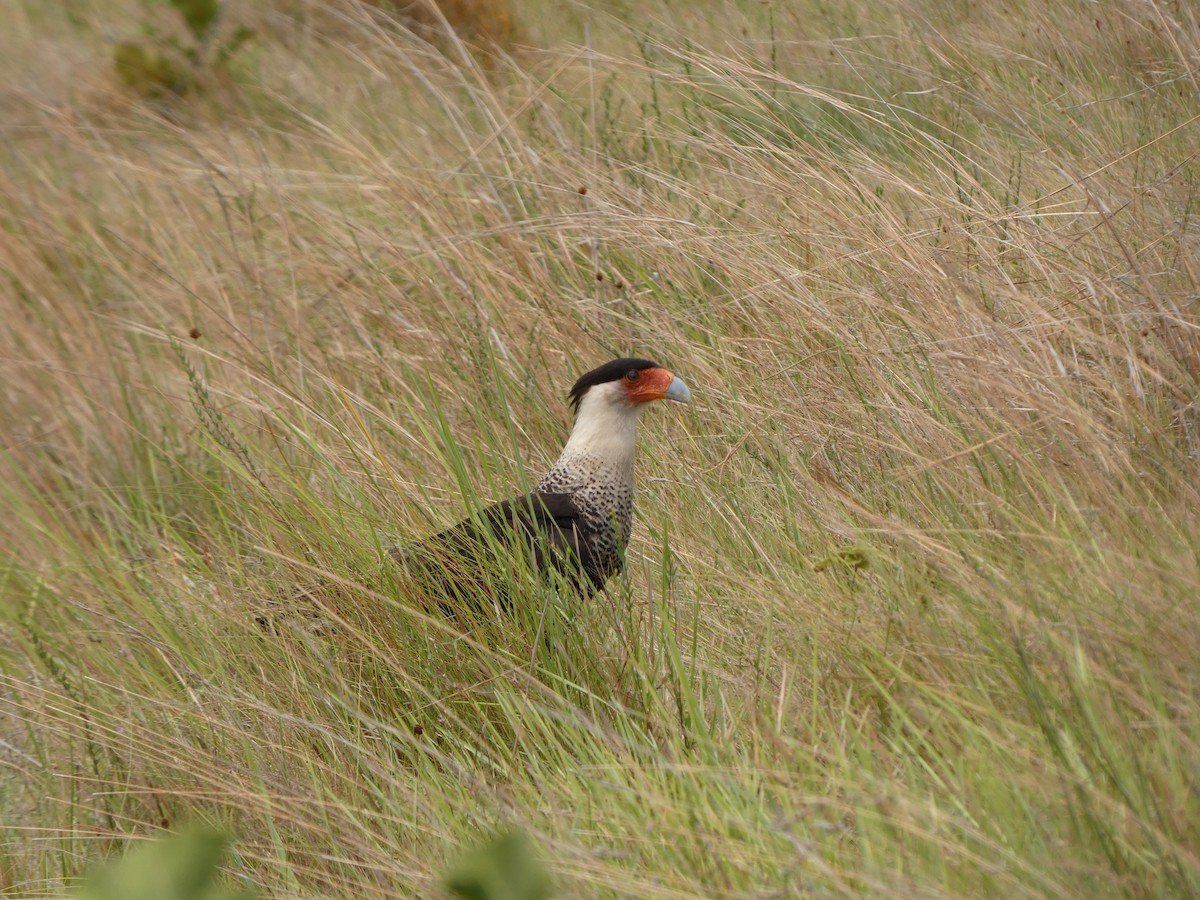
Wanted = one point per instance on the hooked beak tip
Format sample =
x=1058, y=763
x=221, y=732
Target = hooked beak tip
x=678, y=391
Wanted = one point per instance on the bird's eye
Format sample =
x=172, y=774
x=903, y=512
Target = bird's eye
x=632, y=375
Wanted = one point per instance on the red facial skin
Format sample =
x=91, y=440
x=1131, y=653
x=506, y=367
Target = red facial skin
x=647, y=385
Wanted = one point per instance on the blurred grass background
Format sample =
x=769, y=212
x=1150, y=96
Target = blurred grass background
x=911, y=606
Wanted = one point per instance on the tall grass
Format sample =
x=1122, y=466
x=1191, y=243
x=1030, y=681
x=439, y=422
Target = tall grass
x=911, y=603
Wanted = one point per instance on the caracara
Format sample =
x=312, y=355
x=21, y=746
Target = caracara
x=578, y=519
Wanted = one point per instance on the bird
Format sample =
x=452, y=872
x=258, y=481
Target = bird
x=574, y=526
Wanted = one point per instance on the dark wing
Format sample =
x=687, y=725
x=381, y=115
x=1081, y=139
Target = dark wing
x=557, y=535
x=455, y=564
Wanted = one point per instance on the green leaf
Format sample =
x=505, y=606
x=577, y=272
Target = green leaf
x=180, y=867
x=503, y=869
x=200, y=15
x=235, y=42
x=850, y=558
x=148, y=71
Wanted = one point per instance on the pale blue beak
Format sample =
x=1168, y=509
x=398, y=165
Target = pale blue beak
x=678, y=391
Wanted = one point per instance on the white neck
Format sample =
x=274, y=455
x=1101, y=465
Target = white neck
x=605, y=430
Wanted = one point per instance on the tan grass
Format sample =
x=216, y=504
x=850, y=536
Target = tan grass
x=911, y=605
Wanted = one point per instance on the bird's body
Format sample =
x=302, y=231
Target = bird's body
x=578, y=519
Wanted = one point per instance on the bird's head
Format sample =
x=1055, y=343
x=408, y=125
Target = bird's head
x=607, y=401
x=627, y=384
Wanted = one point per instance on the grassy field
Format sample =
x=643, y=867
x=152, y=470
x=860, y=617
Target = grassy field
x=913, y=601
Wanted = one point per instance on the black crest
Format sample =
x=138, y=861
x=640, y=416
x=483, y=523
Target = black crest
x=610, y=371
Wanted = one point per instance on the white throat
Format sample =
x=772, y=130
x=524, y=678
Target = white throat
x=605, y=432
